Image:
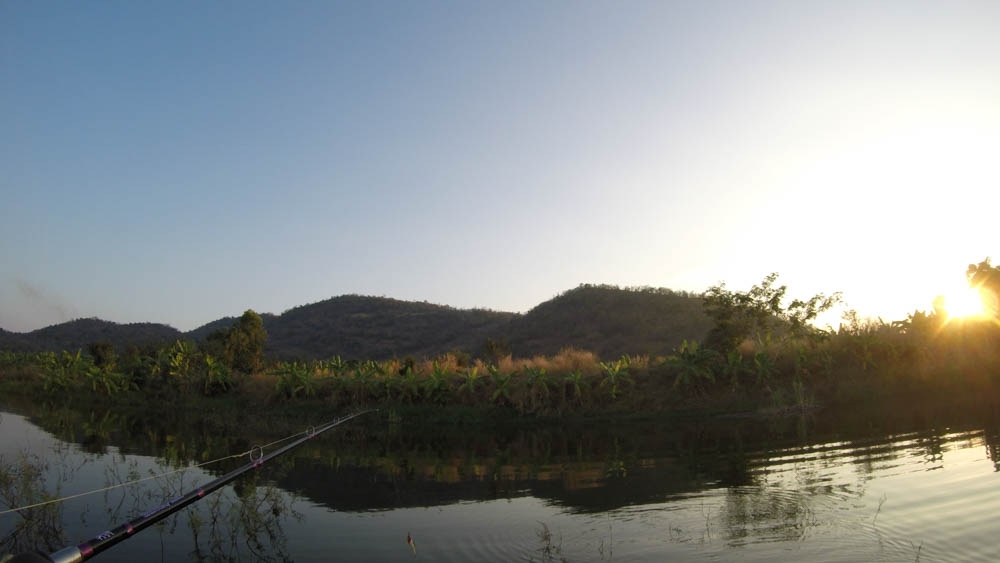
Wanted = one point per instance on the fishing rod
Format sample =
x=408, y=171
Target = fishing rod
x=104, y=540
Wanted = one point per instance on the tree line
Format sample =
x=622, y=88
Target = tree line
x=763, y=350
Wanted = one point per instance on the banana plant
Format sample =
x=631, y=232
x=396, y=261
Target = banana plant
x=573, y=381
x=218, y=376
x=764, y=367
x=106, y=381
x=334, y=365
x=733, y=368
x=615, y=375
x=802, y=361
x=181, y=362
x=409, y=388
x=538, y=386
x=362, y=380
x=294, y=378
x=386, y=384
x=436, y=384
x=13, y=359
x=63, y=372
x=863, y=351
x=692, y=364
x=501, y=386
x=470, y=383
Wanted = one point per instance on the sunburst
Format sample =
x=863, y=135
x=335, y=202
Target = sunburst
x=964, y=303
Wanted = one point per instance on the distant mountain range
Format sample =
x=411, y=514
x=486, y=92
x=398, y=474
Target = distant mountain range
x=607, y=320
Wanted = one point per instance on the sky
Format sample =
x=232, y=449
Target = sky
x=177, y=162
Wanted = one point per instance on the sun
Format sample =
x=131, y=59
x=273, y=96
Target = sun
x=964, y=302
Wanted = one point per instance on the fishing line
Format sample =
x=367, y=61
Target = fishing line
x=255, y=453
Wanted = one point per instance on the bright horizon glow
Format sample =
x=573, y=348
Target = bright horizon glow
x=185, y=161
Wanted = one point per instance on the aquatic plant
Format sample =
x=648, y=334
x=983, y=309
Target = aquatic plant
x=551, y=548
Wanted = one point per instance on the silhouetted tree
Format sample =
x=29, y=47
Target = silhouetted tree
x=495, y=350
x=247, y=342
x=462, y=358
x=103, y=353
x=759, y=313
x=241, y=346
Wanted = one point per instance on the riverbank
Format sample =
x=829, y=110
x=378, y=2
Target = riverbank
x=924, y=362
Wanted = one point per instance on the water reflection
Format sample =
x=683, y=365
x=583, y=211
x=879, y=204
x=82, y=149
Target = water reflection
x=238, y=523
x=24, y=482
x=813, y=487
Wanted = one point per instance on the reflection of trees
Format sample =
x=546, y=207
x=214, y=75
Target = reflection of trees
x=585, y=467
x=992, y=438
x=589, y=468
x=237, y=523
x=242, y=523
x=172, y=436
x=23, y=483
x=97, y=431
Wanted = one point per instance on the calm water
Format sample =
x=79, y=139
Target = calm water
x=847, y=488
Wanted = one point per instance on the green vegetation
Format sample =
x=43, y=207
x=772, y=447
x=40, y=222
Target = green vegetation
x=760, y=353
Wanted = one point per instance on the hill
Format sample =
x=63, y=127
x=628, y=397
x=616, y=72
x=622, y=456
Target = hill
x=13, y=341
x=607, y=320
x=610, y=321
x=78, y=334
x=357, y=327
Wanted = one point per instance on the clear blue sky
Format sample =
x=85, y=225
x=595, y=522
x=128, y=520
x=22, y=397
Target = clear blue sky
x=177, y=162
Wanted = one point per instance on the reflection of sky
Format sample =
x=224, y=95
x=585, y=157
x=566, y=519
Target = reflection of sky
x=18, y=436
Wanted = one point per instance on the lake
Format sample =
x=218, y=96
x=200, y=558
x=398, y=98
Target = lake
x=915, y=486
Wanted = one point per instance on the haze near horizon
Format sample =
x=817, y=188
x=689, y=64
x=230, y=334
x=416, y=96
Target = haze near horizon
x=181, y=162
